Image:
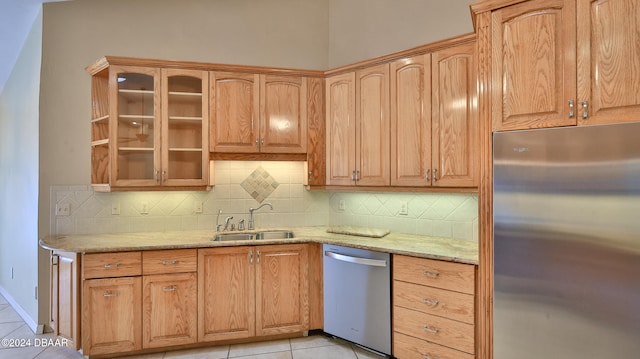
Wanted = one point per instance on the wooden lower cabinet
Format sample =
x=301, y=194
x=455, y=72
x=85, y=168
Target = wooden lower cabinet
x=65, y=296
x=112, y=322
x=252, y=291
x=226, y=293
x=168, y=309
x=282, y=294
x=433, y=309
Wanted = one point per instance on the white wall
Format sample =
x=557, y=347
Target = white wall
x=19, y=177
x=364, y=29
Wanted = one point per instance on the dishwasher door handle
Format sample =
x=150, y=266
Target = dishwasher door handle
x=356, y=260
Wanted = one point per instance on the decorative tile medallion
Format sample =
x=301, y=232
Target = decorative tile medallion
x=259, y=184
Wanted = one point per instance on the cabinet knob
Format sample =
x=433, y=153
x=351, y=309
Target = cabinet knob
x=110, y=294
x=435, y=175
x=172, y=288
x=166, y=262
x=109, y=265
x=310, y=176
x=427, y=356
x=426, y=175
x=257, y=143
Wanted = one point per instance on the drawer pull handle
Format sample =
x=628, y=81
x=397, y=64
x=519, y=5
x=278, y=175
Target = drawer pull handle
x=108, y=294
x=166, y=262
x=430, y=302
x=431, y=330
x=173, y=288
x=431, y=274
x=108, y=265
x=427, y=356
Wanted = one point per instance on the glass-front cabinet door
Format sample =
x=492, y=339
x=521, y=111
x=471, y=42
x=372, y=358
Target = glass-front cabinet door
x=136, y=156
x=185, y=127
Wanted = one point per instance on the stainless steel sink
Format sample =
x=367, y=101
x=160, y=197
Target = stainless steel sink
x=253, y=236
x=234, y=236
x=274, y=235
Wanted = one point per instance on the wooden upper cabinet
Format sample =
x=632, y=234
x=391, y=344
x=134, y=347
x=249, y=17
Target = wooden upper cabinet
x=357, y=111
x=253, y=113
x=608, y=61
x=372, y=126
x=341, y=128
x=149, y=126
x=411, y=121
x=565, y=62
x=533, y=65
x=283, y=114
x=235, y=105
x=455, y=118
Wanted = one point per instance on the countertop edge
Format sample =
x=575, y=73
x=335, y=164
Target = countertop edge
x=394, y=243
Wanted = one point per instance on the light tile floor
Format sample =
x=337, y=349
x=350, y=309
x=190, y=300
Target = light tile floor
x=13, y=328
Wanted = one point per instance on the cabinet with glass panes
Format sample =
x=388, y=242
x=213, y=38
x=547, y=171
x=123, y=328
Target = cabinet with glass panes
x=149, y=127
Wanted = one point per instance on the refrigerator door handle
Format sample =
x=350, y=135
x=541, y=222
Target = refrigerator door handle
x=357, y=260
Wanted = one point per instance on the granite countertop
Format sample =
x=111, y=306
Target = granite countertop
x=454, y=250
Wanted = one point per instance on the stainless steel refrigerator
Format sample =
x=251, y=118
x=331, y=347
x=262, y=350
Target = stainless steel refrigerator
x=567, y=243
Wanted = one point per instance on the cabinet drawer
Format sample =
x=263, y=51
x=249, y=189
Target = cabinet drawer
x=169, y=261
x=435, y=329
x=406, y=347
x=107, y=265
x=446, y=275
x=440, y=302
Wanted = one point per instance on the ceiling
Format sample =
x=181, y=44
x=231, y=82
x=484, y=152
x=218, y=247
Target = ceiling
x=16, y=19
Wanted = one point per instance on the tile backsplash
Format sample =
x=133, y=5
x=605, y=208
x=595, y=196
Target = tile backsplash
x=438, y=214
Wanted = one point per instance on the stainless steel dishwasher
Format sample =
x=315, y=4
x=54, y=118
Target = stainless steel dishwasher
x=357, y=296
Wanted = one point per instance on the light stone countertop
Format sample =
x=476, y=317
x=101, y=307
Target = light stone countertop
x=453, y=250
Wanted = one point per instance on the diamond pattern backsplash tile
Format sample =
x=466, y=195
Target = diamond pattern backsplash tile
x=259, y=184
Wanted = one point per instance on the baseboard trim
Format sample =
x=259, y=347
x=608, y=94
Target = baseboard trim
x=21, y=312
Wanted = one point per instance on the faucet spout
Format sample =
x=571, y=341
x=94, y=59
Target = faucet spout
x=226, y=222
x=251, y=210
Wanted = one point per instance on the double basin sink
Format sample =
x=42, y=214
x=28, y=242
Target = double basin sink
x=253, y=236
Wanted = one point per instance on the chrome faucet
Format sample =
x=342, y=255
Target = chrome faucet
x=226, y=223
x=250, y=225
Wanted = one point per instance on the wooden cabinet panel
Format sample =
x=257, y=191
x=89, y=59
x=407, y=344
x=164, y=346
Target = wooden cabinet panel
x=411, y=121
x=283, y=114
x=608, y=53
x=226, y=293
x=169, y=310
x=111, y=319
x=316, y=145
x=169, y=261
x=534, y=82
x=440, y=274
x=107, y=265
x=440, y=302
x=235, y=104
x=65, y=296
x=406, y=347
x=372, y=126
x=282, y=289
x=454, y=118
x=341, y=128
